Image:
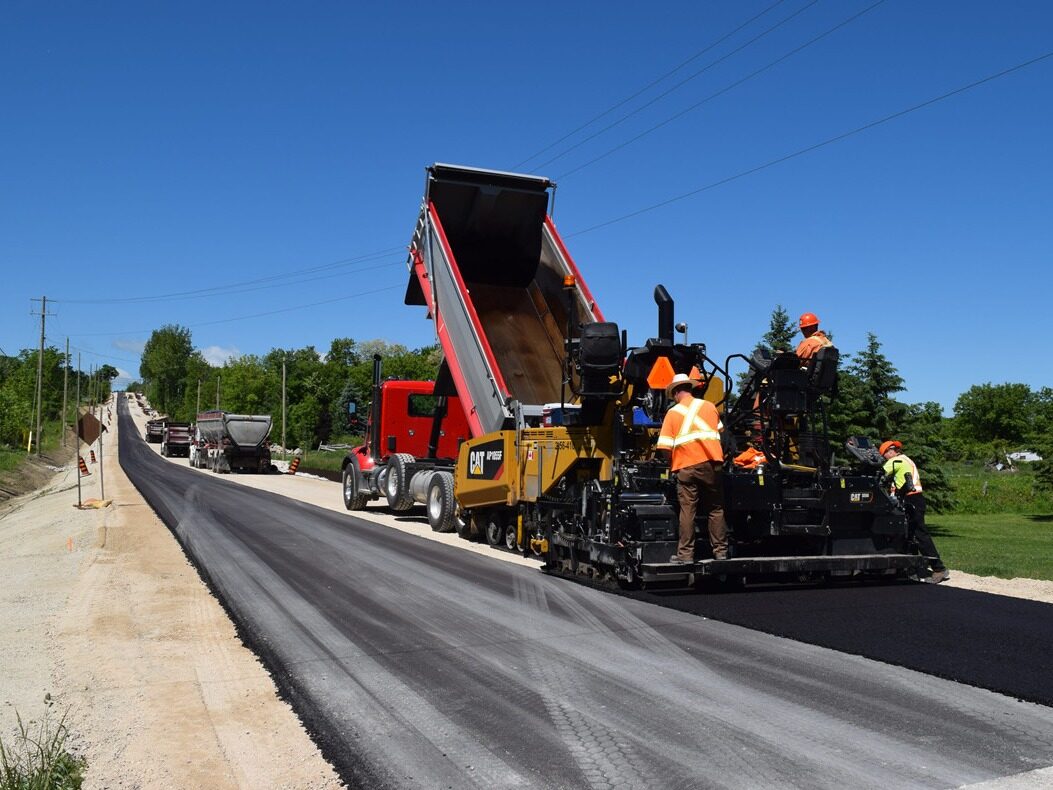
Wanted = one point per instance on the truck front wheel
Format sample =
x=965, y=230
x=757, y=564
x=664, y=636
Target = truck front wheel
x=442, y=509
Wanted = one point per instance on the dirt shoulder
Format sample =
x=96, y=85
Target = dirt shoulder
x=102, y=610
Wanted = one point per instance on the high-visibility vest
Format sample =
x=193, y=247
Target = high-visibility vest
x=899, y=467
x=691, y=431
x=810, y=346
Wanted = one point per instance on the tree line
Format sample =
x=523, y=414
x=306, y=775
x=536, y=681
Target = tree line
x=180, y=382
x=988, y=419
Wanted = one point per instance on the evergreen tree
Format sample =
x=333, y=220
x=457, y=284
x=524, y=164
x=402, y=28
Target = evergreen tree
x=781, y=331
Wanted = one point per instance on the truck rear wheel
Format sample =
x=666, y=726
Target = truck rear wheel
x=354, y=499
x=397, y=484
x=442, y=508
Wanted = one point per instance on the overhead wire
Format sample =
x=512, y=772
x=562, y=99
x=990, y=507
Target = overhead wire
x=724, y=90
x=816, y=146
x=224, y=289
x=251, y=316
x=651, y=84
x=679, y=85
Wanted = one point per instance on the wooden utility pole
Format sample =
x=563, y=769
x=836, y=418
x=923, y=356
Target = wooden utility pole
x=76, y=430
x=283, y=409
x=40, y=366
x=217, y=391
x=198, y=399
x=65, y=384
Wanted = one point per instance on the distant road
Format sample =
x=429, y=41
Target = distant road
x=416, y=664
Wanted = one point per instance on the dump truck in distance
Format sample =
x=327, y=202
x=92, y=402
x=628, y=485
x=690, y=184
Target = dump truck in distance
x=236, y=442
x=175, y=439
x=155, y=429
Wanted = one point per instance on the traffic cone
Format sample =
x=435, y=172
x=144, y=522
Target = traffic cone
x=294, y=465
x=83, y=466
x=92, y=455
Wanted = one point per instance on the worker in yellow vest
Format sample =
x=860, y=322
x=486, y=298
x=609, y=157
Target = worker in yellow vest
x=691, y=435
x=906, y=484
x=814, y=338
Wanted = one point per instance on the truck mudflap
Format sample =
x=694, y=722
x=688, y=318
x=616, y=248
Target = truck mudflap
x=760, y=566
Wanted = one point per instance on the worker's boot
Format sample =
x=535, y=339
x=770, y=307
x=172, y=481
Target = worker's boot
x=941, y=575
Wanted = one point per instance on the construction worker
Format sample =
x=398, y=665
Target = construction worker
x=907, y=485
x=691, y=434
x=814, y=339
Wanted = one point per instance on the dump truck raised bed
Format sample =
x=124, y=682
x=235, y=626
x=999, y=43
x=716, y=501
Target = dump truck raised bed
x=175, y=439
x=413, y=433
x=237, y=442
x=564, y=415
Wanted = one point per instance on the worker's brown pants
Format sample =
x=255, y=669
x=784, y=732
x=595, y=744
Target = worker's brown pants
x=701, y=482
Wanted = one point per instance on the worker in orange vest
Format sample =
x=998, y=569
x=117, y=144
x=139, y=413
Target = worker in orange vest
x=814, y=339
x=691, y=434
x=906, y=484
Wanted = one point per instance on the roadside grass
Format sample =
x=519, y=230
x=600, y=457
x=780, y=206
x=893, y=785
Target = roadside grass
x=36, y=757
x=978, y=490
x=1006, y=545
x=322, y=460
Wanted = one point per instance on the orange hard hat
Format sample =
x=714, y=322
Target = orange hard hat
x=886, y=445
x=809, y=319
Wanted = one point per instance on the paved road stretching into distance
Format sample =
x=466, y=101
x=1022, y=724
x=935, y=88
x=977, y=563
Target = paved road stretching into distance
x=416, y=664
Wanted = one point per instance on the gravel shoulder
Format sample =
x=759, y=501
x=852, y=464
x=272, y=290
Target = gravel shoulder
x=102, y=611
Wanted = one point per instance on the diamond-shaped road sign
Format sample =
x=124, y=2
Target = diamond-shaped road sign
x=89, y=428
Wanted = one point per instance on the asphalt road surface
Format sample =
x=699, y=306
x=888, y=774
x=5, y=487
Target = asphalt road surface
x=416, y=664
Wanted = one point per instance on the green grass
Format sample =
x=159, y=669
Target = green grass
x=9, y=459
x=324, y=461
x=982, y=491
x=36, y=758
x=1005, y=544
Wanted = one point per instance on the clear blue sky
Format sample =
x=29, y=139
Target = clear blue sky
x=149, y=149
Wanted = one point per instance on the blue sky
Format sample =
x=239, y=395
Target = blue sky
x=156, y=149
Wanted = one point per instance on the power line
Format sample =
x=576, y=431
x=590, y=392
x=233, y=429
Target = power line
x=145, y=299
x=223, y=288
x=725, y=89
x=649, y=85
x=680, y=84
x=816, y=146
x=253, y=315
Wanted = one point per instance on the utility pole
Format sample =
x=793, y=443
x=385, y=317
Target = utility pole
x=40, y=366
x=283, y=409
x=65, y=383
x=217, y=391
x=198, y=399
x=76, y=430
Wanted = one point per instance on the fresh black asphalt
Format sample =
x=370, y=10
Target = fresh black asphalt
x=416, y=664
x=992, y=641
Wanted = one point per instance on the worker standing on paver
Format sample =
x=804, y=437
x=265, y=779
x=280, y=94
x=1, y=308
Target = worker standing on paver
x=814, y=338
x=906, y=483
x=691, y=434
